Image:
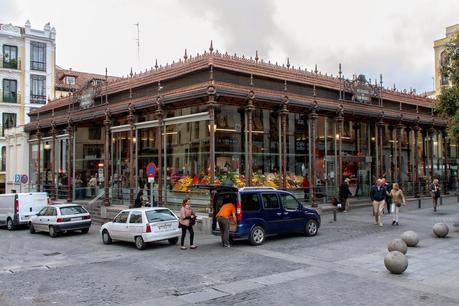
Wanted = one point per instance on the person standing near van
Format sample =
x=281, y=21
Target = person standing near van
x=187, y=220
x=388, y=188
x=225, y=212
x=398, y=198
x=435, y=192
x=93, y=184
x=378, y=197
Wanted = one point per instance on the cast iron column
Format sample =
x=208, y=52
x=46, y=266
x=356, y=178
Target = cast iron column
x=408, y=153
x=381, y=146
x=339, y=123
x=159, y=138
x=211, y=104
x=130, y=119
x=312, y=185
x=70, y=161
x=416, y=161
x=39, y=160
x=445, y=160
x=399, y=153
x=424, y=155
x=284, y=114
x=431, y=134
x=53, y=162
x=107, y=125
x=249, y=113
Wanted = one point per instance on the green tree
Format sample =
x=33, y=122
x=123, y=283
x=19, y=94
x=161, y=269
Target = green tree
x=447, y=103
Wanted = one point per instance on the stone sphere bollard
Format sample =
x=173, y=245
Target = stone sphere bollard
x=441, y=230
x=397, y=245
x=411, y=238
x=395, y=262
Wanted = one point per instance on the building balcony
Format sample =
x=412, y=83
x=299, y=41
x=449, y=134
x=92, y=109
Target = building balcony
x=37, y=99
x=11, y=64
x=39, y=66
x=10, y=98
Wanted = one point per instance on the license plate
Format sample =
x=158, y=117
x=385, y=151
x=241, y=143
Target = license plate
x=164, y=227
x=75, y=219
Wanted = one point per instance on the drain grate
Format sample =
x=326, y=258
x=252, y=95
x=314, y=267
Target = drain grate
x=52, y=254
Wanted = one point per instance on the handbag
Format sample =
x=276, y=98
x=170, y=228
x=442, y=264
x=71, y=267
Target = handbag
x=193, y=220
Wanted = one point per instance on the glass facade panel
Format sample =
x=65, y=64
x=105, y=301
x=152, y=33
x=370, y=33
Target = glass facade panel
x=88, y=162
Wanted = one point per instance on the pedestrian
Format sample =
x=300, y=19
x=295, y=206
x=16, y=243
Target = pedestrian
x=435, y=192
x=344, y=194
x=223, y=215
x=378, y=196
x=138, y=199
x=388, y=198
x=93, y=184
x=187, y=220
x=398, y=198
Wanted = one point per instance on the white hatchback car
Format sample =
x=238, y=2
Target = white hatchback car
x=142, y=225
x=60, y=218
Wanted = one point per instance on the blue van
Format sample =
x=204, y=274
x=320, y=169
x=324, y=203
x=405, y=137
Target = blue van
x=263, y=211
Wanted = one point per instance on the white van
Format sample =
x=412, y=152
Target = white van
x=17, y=208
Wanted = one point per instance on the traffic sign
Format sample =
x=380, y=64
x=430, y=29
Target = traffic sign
x=151, y=169
x=24, y=179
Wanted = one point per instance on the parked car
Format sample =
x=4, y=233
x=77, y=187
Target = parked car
x=141, y=226
x=17, y=208
x=61, y=218
x=263, y=211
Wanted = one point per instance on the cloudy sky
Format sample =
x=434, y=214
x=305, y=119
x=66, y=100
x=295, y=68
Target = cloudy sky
x=391, y=37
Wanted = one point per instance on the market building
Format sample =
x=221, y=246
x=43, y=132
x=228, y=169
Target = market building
x=221, y=119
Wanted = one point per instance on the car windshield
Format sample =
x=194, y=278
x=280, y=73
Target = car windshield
x=159, y=215
x=72, y=210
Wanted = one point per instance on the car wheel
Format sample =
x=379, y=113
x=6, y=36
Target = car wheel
x=9, y=224
x=85, y=230
x=106, y=239
x=52, y=232
x=173, y=241
x=257, y=235
x=139, y=243
x=311, y=228
x=31, y=228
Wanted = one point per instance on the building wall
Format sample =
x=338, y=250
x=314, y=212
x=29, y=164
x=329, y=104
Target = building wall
x=21, y=37
x=439, y=48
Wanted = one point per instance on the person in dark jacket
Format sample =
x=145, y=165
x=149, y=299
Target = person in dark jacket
x=378, y=196
x=388, y=197
x=138, y=199
x=344, y=194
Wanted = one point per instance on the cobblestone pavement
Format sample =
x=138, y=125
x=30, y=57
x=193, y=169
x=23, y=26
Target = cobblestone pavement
x=342, y=265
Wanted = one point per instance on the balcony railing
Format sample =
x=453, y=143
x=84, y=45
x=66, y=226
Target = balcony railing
x=40, y=66
x=8, y=98
x=11, y=64
x=37, y=99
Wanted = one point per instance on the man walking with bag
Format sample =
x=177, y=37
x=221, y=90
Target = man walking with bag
x=378, y=196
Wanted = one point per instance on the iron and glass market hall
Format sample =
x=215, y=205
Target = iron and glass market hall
x=218, y=119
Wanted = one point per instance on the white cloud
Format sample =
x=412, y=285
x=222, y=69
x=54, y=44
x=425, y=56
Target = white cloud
x=391, y=37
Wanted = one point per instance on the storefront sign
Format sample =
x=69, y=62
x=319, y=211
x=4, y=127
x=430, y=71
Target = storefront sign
x=362, y=94
x=86, y=98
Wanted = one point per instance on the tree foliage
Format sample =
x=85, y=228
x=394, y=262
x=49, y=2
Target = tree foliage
x=448, y=101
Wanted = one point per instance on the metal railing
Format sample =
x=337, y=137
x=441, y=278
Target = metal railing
x=39, y=66
x=11, y=64
x=16, y=98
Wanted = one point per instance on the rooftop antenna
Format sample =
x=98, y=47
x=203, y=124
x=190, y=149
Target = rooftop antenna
x=138, y=42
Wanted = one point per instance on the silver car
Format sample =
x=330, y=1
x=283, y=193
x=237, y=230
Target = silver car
x=141, y=226
x=60, y=218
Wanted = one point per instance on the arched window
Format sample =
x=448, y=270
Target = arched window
x=443, y=79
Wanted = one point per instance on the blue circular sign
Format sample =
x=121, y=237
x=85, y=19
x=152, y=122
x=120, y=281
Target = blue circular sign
x=151, y=169
x=24, y=179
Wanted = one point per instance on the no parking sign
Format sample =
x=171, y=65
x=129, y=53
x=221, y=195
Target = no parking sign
x=151, y=169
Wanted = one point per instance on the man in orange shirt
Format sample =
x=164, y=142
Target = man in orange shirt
x=223, y=216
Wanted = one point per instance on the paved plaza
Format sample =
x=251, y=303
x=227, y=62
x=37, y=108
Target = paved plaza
x=342, y=265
